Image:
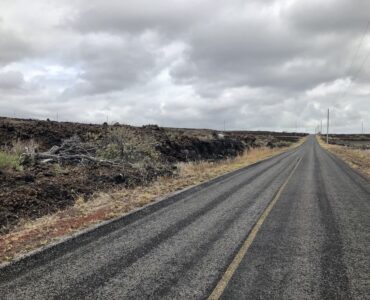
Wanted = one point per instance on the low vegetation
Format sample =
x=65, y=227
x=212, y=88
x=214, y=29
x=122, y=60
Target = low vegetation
x=50, y=165
x=354, y=141
x=31, y=234
x=10, y=154
x=357, y=157
x=9, y=161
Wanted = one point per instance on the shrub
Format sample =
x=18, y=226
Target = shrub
x=111, y=151
x=9, y=161
x=19, y=147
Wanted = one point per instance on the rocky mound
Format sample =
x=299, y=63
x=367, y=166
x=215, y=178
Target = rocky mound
x=70, y=160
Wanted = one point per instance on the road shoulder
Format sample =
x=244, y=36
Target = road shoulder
x=34, y=237
x=356, y=159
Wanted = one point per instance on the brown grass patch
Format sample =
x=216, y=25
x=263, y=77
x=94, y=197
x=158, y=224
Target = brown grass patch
x=32, y=234
x=357, y=159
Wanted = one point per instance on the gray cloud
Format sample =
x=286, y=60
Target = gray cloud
x=137, y=16
x=331, y=16
x=110, y=63
x=11, y=80
x=255, y=64
x=12, y=46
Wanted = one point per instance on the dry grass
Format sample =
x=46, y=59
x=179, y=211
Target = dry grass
x=20, y=147
x=30, y=234
x=9, y=161
x=356, y=158
x=9, y=157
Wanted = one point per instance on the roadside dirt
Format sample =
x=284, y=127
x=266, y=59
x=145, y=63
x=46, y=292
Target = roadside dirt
x=354, y=141
x=83, y=159
x=356, y=157
x=31, y=234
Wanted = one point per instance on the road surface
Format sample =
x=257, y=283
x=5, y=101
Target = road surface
x=313, y=243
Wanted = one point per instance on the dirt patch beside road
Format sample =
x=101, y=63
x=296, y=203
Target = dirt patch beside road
x=63, y=162
x=357, y=158
x=31, y=234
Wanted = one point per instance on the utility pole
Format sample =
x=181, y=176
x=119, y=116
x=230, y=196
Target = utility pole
x=327, y=129
x=321, y=128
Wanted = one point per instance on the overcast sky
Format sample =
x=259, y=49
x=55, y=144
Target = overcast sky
x=257, y=65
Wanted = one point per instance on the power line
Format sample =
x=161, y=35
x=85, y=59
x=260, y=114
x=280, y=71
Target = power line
x=359, y=70
x=359, y=45
x=345, y=92
x=356, y=74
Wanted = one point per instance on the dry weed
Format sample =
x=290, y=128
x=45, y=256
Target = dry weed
x=356, y=158
x=31, y=234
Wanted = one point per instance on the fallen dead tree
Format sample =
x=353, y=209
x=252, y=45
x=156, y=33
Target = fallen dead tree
x=72, y=159
x=72, y=151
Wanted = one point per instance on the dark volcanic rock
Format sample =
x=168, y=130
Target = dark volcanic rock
x=119, y=178
x=80, y=159
x=29, y=178
x=193, y=149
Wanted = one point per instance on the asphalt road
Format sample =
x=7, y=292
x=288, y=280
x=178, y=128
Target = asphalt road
x=314, y=243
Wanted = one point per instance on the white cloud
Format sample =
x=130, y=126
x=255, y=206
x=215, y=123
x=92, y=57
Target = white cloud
x=338, y=86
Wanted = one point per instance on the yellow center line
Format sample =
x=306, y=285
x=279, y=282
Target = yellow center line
x=222, y=284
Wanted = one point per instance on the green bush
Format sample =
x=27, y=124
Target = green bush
x=9, y=161
x=112, y=151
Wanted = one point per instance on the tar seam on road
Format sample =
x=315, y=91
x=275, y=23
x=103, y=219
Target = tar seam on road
x=222, y=284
